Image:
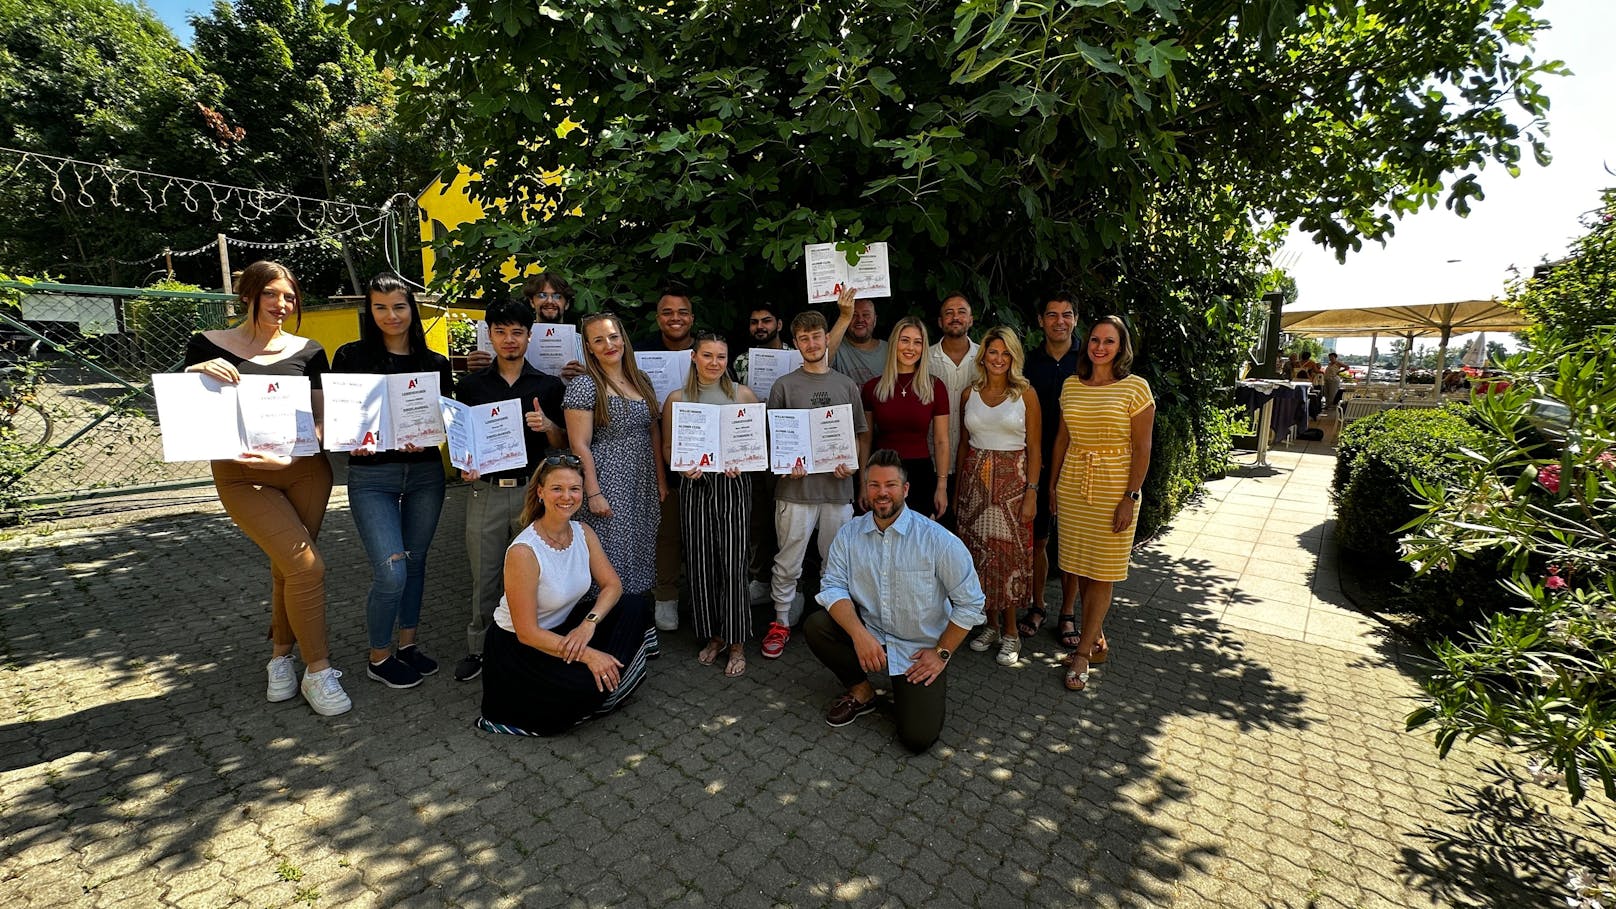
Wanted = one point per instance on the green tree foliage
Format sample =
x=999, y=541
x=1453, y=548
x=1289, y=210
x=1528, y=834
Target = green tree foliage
x=102, y=81
x=1571, y=296
x=1539, y=487
x=1137, y=152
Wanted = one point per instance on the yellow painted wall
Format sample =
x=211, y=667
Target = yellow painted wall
x=334, y=325
x=444, y=208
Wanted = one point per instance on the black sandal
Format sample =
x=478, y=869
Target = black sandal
x=1028, y=626
x=1068, y=639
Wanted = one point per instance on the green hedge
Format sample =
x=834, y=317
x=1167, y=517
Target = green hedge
x=1378, y=456
x=1179, y=465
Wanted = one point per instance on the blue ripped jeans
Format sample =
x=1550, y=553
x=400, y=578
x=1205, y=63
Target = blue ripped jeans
x=396, y=508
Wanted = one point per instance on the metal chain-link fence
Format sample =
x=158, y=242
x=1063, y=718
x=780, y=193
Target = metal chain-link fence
x=81, y=358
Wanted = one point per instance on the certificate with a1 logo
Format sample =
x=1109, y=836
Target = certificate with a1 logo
x=817, y=439
x=719, y=437
x=486, y=438
x=382, y=412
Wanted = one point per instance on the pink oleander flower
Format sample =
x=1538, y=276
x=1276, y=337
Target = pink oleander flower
x=1554, y=582
x=1606, y=459
x=1549, y=476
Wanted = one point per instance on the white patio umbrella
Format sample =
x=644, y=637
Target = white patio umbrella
x=1475, y=356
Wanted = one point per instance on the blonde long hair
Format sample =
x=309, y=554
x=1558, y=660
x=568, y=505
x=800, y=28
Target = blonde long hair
x=1018, y=359
x=693, y=383
x=887, y=384
x=631, y=369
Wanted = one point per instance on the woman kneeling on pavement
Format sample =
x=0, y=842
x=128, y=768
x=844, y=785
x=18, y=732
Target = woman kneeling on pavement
x=555, y=658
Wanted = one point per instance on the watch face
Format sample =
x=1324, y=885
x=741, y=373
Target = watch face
x=944, y=654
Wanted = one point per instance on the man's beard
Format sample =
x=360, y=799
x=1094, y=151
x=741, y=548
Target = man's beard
x=763, y=340
x=892, y=509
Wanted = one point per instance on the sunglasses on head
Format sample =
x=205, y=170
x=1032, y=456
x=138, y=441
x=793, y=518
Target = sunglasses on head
x=563, y=460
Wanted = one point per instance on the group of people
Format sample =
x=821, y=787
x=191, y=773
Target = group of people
x=972, y=456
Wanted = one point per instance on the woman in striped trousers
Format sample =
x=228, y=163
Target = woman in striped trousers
x=715, y=514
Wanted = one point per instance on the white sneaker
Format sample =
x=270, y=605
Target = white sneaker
x=282, y=679
x=758, y=593
x=324, y=693
x=1009, y=651
x=667, y=615
x=986, y=639
x=798, y=604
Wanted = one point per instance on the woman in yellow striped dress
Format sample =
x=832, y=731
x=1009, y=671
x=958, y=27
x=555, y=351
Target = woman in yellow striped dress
x=1102, y=450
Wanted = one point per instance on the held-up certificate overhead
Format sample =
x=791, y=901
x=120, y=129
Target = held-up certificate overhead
x=486, y=438
x=382, y=412
x=203, y=419
x=718, y=437
x=828, y=271
x=818, y=439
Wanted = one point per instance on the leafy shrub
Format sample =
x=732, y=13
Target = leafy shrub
x=1175, y=469
x=1379, y=457
x=1539, y=487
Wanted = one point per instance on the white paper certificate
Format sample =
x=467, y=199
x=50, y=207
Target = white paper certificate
x=834, y=444
x=203, y=419
x=484, y=342
x=412, y=408
x=552, y=347
x=666, y=369
x=765, y=364
x=790, y=441
x=697, y=437
x=828, y=272
x=382, y=412
x=819, y=439
x=486, y=438
x=198, y=417
x=355, y=405
x=746, y=436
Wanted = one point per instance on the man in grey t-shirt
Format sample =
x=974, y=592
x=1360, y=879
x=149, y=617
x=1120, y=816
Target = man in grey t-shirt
x=803, y=502
x=861, y=356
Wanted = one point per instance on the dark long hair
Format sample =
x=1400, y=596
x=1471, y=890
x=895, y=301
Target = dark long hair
x=370, y=334
x=256, y=277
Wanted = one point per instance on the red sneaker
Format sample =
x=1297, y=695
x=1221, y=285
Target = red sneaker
x=774, y=641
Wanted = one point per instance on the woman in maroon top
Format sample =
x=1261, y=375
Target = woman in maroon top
x=908, y=412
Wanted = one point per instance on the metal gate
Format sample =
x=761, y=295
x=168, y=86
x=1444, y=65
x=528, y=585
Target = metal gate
x=83, y=357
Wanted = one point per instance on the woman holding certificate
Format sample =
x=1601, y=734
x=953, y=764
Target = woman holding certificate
x=614, y=428
x=908, y=412
x=279, y=501
x=715, y=513
x=554, y=655
x=997, y=481
x=396, y=495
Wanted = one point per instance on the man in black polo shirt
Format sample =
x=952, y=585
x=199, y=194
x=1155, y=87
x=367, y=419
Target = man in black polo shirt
x=1048, y=367
x=494, y=512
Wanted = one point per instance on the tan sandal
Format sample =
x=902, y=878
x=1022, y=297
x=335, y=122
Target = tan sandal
x=1101, y=653
x=736, y=667
x=1077, y=681
x=709, y=654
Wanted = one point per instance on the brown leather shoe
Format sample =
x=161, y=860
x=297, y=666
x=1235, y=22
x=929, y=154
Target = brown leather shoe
x=847, y=709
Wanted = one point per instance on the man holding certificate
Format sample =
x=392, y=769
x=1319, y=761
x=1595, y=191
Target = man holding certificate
x=550, y=296
x=493, y=516
x=675, y=318
x=805, y=502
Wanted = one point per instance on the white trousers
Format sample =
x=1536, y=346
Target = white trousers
x=794, y=524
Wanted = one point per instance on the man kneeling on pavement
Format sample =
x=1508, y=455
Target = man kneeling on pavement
x=900, y=595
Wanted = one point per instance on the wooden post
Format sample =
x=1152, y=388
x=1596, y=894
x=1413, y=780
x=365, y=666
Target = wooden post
x=168, y=261
x=224, y=264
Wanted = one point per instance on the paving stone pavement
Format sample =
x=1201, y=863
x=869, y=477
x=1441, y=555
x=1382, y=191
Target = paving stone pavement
x=1244, y=747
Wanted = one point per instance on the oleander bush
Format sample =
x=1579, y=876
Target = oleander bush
x=1539, y=487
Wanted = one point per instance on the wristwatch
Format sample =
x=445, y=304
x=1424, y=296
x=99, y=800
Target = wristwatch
x=593, y=617
x=943, y=654
x=1133, y=494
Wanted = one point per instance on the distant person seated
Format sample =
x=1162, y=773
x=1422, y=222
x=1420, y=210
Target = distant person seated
x=1305, y=369
x=556, y=657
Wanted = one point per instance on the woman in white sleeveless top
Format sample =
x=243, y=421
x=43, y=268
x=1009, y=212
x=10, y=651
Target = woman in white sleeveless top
x=999, y=461
x=555, y=657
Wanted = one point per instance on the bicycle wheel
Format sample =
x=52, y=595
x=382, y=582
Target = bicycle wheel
x=29, y=425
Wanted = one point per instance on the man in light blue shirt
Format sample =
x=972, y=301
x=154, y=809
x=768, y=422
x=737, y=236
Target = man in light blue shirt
x=900, y=594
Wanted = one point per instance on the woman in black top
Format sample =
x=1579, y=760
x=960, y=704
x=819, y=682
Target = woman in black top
x=279, y=501
x=396, y=496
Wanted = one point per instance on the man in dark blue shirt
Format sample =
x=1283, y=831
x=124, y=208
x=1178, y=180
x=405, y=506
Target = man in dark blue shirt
x=493, y=514
x=1048, y=367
